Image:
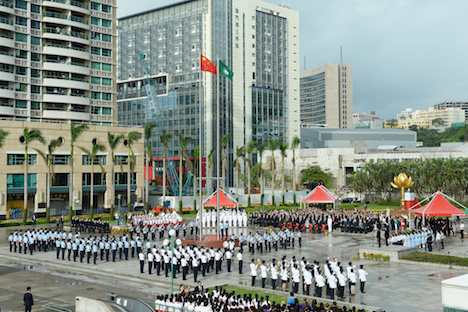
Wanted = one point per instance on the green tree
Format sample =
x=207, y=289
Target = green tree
x=149, y=127
x=272, y=145
x=3, y=135
x=239, y=155
x=224, y=157
x=283, y=149
x=165, y=138
x=248, y=157
x=114, y=140
x=92, y=154
x=28, y=137
x=294, y=144
x=183, y=142
x=438, y=122
x=75, y=131
x=391, y=123
x=314, y=175
x=131, y=138
x=260, y=150
x=49, y=160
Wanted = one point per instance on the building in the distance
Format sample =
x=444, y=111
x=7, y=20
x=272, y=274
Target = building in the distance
x=257, y=40
x=452, y=116
x=462, y=105
x=12, y=173
x=58, y=60
x=327, y=95
x=367, y=120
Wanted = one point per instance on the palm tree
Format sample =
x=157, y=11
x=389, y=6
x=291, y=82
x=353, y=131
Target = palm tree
x=239, y=154
x=165, y=138
x=131, y=138
x=75, y=131
x=196, y=154
x=272, y=144
x=114, y=141
x=260, y=149
x=28, y=137
x=49, y=160
x=249, y=150
x=294, y=144
x=149, y=157
x=3, y=135
x=210, y=166
x=92, y=154
x=224, y=156
x=283, y=149
x=183, y=142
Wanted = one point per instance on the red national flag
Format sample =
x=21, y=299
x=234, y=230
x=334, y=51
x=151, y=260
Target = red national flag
x=207, y=66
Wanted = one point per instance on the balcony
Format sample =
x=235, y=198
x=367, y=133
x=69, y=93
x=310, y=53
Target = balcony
x=6, y=23
x=64, y=19
x=69, y=115
x=7, y=7
x=66, y=51
x=6, y=110
x=7, y=41
x=67, y=5
x=7, y=58
x=61, y=34
x=66, y=83
x=64, y=98
x=6, y=76
x=7, y=93
x=66, y=67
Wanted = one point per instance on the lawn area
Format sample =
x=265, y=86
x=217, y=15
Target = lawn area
x=427, y=257
x=242, y=291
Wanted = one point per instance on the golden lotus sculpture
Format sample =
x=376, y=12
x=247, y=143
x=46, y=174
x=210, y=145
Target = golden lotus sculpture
x=402, y=181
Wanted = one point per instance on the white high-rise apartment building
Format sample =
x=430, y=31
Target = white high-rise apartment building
x=258, y=41
x=58, y=60
x=327, y=95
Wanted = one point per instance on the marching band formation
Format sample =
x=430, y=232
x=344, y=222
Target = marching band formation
x=234, y=217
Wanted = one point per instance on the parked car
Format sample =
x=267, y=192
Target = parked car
x=350, y=200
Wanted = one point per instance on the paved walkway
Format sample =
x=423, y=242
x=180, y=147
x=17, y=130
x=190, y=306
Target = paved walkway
x=393, y=286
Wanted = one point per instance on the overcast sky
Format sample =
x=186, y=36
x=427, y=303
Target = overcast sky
x=405, y=53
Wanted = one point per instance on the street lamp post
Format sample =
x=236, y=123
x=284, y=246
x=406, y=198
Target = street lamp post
x=75, y=201
x=119, y=199
x=172, y=234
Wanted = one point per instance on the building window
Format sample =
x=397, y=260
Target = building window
x=95, y=95
x=96, y=80
x=21, y=104
x=106, y=67
x=95, y=35
x=21, y=21
x=21, y=37
x=107, y=96
x=35, y=40
x=18, y=160
x=121, y=160
x=17, y=180
x=106, y=38
x=35, y=105
x=35, y=8
x=121, y=178
x=20, y=4
x=99, y=179
x=61, y=160
x=107, y=111
x=106, y=82
x=35, y=24
x=106, y=8
x=95, y=51
x=95, y=21
x=100, y=159
x=95, y=6
x=96, y=110
x=106, y=52
x=95, y=66
x=61, y=179
x=106, y=23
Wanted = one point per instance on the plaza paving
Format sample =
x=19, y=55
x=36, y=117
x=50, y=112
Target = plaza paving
x=394, y=286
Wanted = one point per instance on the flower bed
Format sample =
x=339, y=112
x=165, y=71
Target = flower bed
x=372, y=256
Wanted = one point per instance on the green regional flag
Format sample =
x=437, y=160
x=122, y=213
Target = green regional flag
x=225, y=71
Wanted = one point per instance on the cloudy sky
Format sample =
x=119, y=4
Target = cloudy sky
x=405, y=53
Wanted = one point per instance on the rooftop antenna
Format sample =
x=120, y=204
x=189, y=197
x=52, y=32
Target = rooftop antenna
x=341, y=54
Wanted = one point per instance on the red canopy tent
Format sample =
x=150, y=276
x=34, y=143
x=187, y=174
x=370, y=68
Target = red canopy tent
x=319, y=195
x=439, y=207
x=225, y=200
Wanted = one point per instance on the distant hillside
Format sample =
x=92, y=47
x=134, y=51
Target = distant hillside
x=431, y=137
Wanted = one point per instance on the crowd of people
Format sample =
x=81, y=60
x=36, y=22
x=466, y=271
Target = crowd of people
x=318, y=220
x=220, y=300
x=89, y=226
x=233, y=217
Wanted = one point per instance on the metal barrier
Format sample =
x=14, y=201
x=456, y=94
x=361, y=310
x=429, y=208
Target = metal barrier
x=54, y=308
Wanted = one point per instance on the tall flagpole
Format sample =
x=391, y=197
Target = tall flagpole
x=200, y=153
x=217, y=150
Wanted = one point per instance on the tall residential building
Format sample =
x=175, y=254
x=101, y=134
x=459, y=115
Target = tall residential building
x=58, y=60
x=327, y=95
x=462, y=105
x=258, y=41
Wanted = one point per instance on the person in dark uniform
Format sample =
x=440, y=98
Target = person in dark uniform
x=378, y=237
x=28, y=300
